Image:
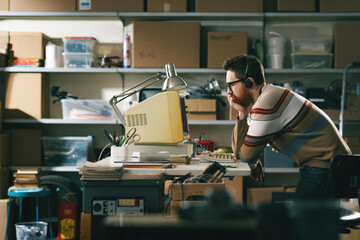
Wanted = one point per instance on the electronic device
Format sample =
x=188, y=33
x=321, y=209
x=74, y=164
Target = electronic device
x=132, y=206
x=160, y=119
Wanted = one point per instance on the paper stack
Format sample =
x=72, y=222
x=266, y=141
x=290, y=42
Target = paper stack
x=101, y=172
x=27, y=178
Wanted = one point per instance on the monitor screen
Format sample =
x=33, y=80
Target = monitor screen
x=160, y=119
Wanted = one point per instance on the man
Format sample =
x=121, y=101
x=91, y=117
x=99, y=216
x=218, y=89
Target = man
x=290, y=123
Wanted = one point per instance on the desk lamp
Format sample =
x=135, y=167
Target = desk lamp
x=172, y=83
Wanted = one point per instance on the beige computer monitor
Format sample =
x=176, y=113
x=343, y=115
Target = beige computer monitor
x=160, y=119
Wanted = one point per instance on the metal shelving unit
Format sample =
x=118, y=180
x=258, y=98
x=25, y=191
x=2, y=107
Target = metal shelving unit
x=127, y=17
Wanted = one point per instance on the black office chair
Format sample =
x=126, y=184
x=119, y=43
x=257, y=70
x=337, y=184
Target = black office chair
x=345, y=182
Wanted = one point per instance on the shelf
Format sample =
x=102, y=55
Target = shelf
x=113, y=121
x=59, y=121
x=85, y=121
x=50, y=169
x=155, y=70
x=311, y=16
x=131, y=16
x=212, y=122
x=57, y=15
x=57, y=70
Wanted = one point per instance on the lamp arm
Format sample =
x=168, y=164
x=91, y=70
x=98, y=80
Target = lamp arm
x=127, y=93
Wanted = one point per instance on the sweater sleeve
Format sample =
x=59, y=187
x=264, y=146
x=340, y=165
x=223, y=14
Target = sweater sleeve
x=238, y=136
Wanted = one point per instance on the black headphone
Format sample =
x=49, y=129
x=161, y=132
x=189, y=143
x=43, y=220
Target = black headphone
x=248, y=84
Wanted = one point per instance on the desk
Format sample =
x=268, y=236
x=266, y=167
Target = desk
x=194, y=168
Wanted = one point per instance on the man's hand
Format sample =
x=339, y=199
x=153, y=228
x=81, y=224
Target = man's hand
x=243, y=112
x=257, y=172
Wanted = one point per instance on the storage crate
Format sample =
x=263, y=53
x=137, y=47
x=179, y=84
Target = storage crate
x=78, y=44
x=190, y=191
x=86, y=109
x=78, y=60
x=311, y=46
x=308, y=61
x=67, y=151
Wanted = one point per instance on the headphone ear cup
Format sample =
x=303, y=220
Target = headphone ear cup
x=248, y=84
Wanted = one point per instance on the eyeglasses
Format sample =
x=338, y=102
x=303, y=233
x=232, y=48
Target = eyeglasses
x=240, y=80
x=231, y=83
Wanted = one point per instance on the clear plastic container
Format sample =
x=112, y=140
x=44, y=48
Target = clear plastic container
x=311, y=46
x=78, y=60
x=31, y=230
x=67, y=151
x=86, y=109
x=309, y=61
x=78, y=44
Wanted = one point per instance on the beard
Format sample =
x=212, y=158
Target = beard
x=243, y=98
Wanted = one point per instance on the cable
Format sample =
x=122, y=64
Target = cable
x=102, y=150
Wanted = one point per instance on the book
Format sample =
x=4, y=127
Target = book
x=26, y=185
x=28, y=171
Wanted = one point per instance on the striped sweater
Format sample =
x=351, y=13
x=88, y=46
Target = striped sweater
x=292, y=125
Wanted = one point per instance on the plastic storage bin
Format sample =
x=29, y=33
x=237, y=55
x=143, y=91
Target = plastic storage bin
x=67, y=151
x=308, y=61
x=86, y=109
x=311, y=46
x=78, y=60
x=78, y=44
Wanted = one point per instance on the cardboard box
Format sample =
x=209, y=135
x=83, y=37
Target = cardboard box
x=201, y=109
x=85, y=226
x=352, y=102
x=339, y=6
x=4, y=181
x=166, y=5
x=158, y=43
x=27, y=96
x=4, y=149
x=201, y=105
x=296, y=5
x=111, y=5
x=201, y=116
x=43, y=5
x=28, y=44
x=223, y=45
x=4, y=203
x=26, y=147
x=4, y=5
x=346, y=43
x=187, y=191
x=228, y=6
x=234, y=186
x=175, y=205
x=349, y=115
x=261, y=195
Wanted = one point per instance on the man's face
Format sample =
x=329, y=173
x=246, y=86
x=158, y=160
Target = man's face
x=237, y=91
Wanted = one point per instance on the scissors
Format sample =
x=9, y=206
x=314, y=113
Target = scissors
x=132, y=136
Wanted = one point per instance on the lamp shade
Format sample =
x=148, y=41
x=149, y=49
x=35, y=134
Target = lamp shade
x=172, y=82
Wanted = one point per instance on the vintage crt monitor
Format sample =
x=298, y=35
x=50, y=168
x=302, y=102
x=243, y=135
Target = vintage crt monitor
x=160, y=119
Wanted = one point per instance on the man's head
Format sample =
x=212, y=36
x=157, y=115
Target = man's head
x=245, y=74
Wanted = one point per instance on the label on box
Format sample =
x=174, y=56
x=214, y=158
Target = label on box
x=84, y=4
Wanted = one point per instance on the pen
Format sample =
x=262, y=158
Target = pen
x=122, y=142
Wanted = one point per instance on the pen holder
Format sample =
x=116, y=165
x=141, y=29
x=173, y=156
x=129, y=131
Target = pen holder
x=119, y=154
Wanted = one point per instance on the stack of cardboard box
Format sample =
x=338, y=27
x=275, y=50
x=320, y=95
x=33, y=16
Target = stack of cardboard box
x=201, y=109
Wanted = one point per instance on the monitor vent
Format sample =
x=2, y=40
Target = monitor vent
x=135, y=120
